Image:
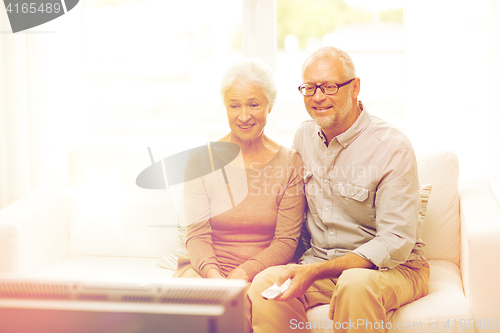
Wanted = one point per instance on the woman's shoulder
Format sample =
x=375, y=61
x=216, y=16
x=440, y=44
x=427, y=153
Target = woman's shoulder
x=288, y=156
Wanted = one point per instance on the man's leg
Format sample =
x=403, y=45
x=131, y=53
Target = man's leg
x=290, y=316
x=364, y=296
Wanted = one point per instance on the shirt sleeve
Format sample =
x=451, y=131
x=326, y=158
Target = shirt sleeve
x=198, y=230
x=288, y=225
x=397, y=203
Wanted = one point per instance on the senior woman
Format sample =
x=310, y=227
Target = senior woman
x=261, y=230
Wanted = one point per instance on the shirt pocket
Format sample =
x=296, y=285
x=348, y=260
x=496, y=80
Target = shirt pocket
x=354, y=192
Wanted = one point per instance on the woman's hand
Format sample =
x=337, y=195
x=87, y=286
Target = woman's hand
x=214, y=273
x=238, y=273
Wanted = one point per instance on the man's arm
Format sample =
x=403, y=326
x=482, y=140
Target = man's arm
x=303, y=276
x=397, y=204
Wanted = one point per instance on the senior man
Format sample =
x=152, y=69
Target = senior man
x=361, y=183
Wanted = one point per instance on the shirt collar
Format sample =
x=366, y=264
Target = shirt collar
x=346, y=138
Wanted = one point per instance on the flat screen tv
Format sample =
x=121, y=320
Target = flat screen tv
x=177, y=305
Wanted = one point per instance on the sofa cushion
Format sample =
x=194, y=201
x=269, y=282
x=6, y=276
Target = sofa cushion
x=109, y=214
x=441, y=228
x=425, y=192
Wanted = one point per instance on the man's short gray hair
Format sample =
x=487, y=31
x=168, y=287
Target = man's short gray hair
x=253, y=71
x=349, y=70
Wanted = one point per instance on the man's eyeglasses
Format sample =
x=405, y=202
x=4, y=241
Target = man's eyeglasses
x=326, y=88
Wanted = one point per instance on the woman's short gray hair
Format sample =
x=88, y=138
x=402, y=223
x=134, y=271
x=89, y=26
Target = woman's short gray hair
x=349, y=69
x=254, y=71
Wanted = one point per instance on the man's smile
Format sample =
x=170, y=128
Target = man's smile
x=321, y=109
x=245, y=127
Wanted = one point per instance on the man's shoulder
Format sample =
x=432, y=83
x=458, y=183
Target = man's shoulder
x=307, y=126
x=304, y=135
x=387, y=134
x=306, y=129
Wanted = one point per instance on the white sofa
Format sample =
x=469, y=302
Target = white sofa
x=102, y=226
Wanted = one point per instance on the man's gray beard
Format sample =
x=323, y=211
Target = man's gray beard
x=336, y=118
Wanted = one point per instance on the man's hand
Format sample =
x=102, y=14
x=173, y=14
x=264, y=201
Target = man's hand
x=238, y=273
x=301, y=277
x=214, y=273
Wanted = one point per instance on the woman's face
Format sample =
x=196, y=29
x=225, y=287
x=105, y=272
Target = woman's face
x=247, y=109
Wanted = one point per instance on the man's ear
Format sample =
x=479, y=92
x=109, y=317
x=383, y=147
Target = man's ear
x=356, y=87
x=268, y=112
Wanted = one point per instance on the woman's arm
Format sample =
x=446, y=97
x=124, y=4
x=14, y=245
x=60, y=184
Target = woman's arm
x=199, y=231
x=288, y=225
x=200, y=249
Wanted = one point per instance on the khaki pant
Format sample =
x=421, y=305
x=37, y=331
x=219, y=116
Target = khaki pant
x=358, y=294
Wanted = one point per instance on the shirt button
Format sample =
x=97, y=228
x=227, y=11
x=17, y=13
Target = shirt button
x=331, y=233
x=326, y=209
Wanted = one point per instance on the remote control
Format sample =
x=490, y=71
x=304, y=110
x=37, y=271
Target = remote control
x=275, y=290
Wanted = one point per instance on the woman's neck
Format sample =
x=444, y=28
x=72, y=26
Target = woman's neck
x=255, y=152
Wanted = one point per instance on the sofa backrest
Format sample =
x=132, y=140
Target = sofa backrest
x=109, y=214
x=441, y=229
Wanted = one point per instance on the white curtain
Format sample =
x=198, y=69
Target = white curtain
x=42, y=110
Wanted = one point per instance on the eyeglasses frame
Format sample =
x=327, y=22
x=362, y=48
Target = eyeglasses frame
x=320, y=86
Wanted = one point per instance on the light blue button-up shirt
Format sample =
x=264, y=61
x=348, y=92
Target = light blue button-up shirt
x=362, y=192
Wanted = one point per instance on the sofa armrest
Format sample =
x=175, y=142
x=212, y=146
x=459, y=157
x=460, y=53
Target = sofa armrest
x=480, y=251
x=34, y=231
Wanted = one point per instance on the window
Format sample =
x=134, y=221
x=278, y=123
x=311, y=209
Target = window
x=371, y=32
x=153, y=69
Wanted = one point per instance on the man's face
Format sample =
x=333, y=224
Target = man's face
x=330, y=112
